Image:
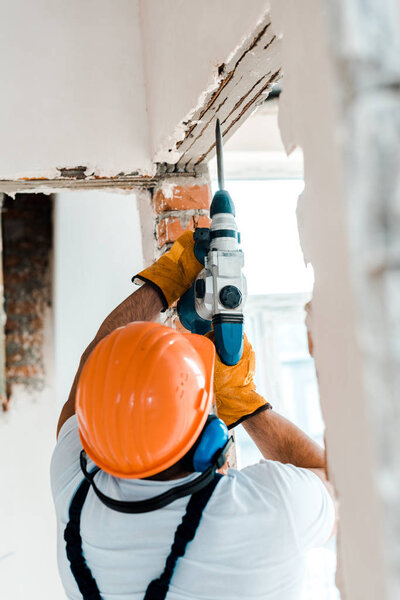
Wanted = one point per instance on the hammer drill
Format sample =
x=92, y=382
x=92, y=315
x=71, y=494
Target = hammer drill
x=217, y=297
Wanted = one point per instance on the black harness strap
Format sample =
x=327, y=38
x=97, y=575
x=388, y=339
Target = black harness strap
x=156, y=502
x=158, y=588
x=83, y=576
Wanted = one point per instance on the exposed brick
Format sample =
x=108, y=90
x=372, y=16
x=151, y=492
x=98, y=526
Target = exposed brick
x=170, y=228
x=201, y=221
x=193, y=197
x=10, y=261
x=21, y=307
x=27, y=245
x=14, y=278
x=23, y=371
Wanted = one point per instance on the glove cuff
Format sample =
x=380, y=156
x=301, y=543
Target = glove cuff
x=174, y=272
x=266, y=406
x=140, y=280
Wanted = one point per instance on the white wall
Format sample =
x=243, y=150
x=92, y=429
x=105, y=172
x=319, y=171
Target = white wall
x=72, y=88
x=28, y=564
x=98, y=247
x=105, y=85
x=309, y=118
x=97, y=250
x=185, y=41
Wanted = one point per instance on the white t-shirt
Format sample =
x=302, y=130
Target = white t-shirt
x=250, y=544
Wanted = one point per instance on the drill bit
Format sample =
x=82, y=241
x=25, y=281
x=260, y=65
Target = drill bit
x=220, y=164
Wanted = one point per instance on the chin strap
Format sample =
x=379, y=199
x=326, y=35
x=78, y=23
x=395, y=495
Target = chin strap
x=142, y=506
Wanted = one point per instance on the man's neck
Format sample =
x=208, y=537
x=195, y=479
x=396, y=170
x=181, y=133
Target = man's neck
x=170, y=474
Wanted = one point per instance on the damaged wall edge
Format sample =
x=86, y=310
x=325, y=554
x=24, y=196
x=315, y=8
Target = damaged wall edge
x=244, y=83
x=75, y=179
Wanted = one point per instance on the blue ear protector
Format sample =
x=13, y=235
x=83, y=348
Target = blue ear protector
x=211, y=441
x=208, y=454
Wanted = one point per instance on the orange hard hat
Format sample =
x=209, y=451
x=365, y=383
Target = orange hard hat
x=143, y=398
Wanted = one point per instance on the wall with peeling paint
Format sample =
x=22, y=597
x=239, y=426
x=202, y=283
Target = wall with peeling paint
x=335, y=106
x=185, y=45
x=98, y=247
x=308, y=119
x=73, y=88
x=102, y=89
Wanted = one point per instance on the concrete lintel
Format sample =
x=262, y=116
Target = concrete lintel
x=48, y=186
x=75, y=181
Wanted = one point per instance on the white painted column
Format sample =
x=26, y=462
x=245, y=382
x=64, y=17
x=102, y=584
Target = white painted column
x=349, y=129
x=365, y=48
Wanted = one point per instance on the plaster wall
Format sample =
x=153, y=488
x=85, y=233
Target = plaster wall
x=91, y=276
x=309, y=119
x=184, y=44
x=107, y=86
x=98, y=248
x=28, y=563
x=368, y=74
x=72, y=88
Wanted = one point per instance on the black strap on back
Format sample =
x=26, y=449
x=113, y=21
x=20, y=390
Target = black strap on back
x=83, y=576
x=158, y=588
x=156, y=502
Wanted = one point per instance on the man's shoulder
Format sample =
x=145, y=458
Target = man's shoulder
x=65, y=465
x=290, y=494
x=255, y=485
x=270, y=483
x=271, y=474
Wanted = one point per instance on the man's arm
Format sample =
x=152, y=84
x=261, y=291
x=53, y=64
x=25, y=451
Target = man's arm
x=143, y=305
x=279, y=439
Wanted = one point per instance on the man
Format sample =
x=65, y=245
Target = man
x=142, y=395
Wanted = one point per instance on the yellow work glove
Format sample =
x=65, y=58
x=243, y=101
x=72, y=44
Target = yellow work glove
x=175, y=271
x=235, y=389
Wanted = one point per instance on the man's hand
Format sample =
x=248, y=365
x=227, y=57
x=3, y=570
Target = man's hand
x=175, y=271
x=235, y=389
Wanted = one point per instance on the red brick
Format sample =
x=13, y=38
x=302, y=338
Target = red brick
x=201, y=221
x=11, y=261
x=22, y=307
x=170, y=228
x=25, y=371
x=183, y=198
x=17, y=277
